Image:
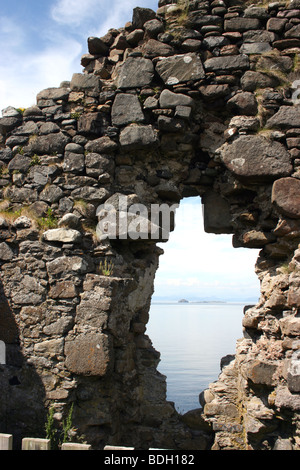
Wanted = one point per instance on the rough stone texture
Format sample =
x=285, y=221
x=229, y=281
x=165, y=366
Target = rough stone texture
x=286, y=197
x=261, y=159
x=180, y=69
x=181, y=102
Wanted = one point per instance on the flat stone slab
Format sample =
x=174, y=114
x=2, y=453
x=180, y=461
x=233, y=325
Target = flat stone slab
x=227, y=63
x=180, y=68
x=62, y=235
x=255, y=159
x=138, y=137
x=136, y=72
x=286, y=197
x=75, y=446
x=6, y=442
x=35, y=444
x=126, y=109
x=286, y=117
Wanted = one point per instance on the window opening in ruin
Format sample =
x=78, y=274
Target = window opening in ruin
x=201, y=288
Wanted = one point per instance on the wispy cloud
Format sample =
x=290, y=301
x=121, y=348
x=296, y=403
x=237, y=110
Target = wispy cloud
x=72, y=12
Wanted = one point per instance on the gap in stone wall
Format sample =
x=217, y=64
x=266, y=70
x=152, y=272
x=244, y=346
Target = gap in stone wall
x=217, y=281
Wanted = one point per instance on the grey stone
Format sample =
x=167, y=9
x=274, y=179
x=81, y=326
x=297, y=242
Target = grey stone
x=51, y=193
x=136, y=72
x=256, y=12
x=260, y=159
x=169, y=124
x=62, y=235
x=92, y=124
x=293, y=377
x=7, y=124
x=10, y=111
x=20, y=163
x=243, y=104
x=286, y=117
x=168, y=99
x=227, y=63
x=48, y=144
x=153, y=48
x=74, y=148
x=283, y=444
x=141, y=15
x=211, y=42
x=286, y=197
x=73, y=162
x=126, y=109
x=98, y=164
x=252, y=80
x=53, y=94
x=138, y=137
x=48, y=128
x=22, y=222
x=97, y=47
x=28, y=128
x=6, y=252
x=255, y=48
x=287, y=400
x=153, y=27
x=91, y=194
x=101, y=145
x=258, y=36
x=180, y=68
x=70, y=221
x=82, y=82
x=241, y=24
x=89, y=354
x=216, y=214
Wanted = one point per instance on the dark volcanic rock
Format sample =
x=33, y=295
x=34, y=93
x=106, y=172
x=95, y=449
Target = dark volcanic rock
x=255, y=159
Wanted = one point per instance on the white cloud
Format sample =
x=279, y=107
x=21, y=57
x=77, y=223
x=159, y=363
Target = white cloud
x=29, y=73
x=202, y=264
x=73, y=12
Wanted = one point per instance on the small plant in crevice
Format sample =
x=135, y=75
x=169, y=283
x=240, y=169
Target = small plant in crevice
x=48, y=222
x=61, y=433
x=35, y=160
x=106, y=268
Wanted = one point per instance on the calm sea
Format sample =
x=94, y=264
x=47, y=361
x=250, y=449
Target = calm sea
x=192, y=338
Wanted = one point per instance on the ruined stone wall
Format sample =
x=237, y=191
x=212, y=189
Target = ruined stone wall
x=196, y=99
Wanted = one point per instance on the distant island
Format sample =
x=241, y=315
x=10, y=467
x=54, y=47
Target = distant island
x=184, y=301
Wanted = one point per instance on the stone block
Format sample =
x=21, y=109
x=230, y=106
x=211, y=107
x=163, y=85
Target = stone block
x=138, y=137
x=136, y=72
x=62, y=235
x=36, y=444
x=216, y=212
x=286, y=197
x=126, y=109
x=75, y=446
x=89, y=354
x=180, y=68
x=286, y=117
x=260, y=161
x=6, y=442
x=168, y=99
x=117, y=448
x=293, y=376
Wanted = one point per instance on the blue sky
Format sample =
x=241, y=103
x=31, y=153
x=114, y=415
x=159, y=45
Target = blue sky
x=198, y=265
x=42, y=41
x=42, y=44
